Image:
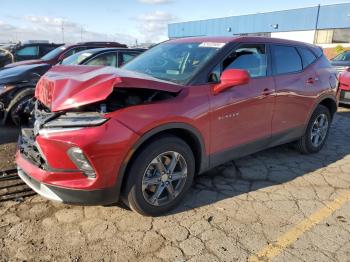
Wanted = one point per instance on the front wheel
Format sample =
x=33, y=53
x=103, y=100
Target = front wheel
x=317, y=131
x=160, y=176
x=17, y=110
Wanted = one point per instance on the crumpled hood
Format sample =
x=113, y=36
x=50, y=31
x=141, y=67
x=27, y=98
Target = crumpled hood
x=23, y=73
x=65, y=87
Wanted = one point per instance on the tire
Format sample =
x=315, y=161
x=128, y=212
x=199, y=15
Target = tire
x=18, y=100
x=306, y=144
x=140, y=195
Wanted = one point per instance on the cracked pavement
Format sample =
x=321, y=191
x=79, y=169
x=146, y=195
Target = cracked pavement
x=231, y=214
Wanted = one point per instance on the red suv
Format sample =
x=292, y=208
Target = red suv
x=141, y=133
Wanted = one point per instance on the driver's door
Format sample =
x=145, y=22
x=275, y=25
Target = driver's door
x=241, y=116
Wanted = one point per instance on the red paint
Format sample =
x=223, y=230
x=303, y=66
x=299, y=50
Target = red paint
x=224, y=117
x=231, y=78
x=344, y=80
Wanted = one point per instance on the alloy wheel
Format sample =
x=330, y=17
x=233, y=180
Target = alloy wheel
x=319, y=130
x=164, y=178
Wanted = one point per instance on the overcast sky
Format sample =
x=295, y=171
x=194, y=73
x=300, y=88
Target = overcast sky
x=123, y=21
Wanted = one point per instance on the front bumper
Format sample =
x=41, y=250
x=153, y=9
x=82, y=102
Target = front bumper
x=44, y=164
x=69, y=196
x=344, y=97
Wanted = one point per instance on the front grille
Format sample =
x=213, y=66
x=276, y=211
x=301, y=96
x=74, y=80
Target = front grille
x=29, y=149
x=27, y=141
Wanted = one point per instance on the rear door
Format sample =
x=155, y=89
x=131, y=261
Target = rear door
x=296, y=84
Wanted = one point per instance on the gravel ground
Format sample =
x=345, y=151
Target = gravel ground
x=275, y=205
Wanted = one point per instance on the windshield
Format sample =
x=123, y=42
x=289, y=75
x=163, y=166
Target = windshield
x=53, y=53
x=175, y=62
x=77, y=58
x=345, y=56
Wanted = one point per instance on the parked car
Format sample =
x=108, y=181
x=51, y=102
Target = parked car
x=62, y=52
x=341, y=61
x=141, y=133
x=17, y=84
x=344, y=85
x=26, y=51
x=6, y=56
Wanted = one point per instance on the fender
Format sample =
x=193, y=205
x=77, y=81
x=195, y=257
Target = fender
x=319, y=101
x=204, y=159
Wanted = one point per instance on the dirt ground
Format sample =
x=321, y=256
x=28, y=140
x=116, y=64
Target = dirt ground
x=276, y=205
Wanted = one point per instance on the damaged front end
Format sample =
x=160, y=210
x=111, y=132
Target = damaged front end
x=85, y=100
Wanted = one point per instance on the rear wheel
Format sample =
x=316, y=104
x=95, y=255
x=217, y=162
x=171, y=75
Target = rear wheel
x=160, y=176
x=317, y=131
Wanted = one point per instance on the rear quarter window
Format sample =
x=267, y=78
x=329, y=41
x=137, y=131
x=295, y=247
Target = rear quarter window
x=285, y=59
x=307, y=56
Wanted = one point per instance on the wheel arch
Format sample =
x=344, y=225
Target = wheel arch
x=184, y=131
x=328, y=101
x=331, y=104
x=22, y=92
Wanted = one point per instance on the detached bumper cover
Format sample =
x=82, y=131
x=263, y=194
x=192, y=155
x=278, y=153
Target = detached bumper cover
x=70, y=196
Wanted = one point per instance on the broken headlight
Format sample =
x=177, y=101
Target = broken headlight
x=76, y=120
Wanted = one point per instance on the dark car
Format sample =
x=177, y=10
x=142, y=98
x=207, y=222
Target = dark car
x=17, y=83
x=27, y=51
x=62, y=52
x=141, y=133
x=341, y=61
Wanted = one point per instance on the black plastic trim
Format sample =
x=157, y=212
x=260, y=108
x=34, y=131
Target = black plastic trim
x=256, y=146
x=204, y=165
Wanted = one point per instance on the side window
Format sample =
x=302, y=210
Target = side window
x=285, y=59
x=73, y=51
x=307, y=56
x=126, y=57
x=28, y=51
x=250, y=57
x=214, y=76
x=108, y=59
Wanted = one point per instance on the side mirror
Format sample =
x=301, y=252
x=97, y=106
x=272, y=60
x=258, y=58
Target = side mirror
x=231, y=78
x=347, y=68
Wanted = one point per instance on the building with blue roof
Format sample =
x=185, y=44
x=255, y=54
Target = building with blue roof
x=325, y=25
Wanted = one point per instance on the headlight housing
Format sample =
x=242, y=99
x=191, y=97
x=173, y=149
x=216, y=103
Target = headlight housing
x=76, y=120
x=6, y=88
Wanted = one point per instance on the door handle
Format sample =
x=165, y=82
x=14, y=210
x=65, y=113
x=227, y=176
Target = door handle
x=267, y=92
x=311, y=80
